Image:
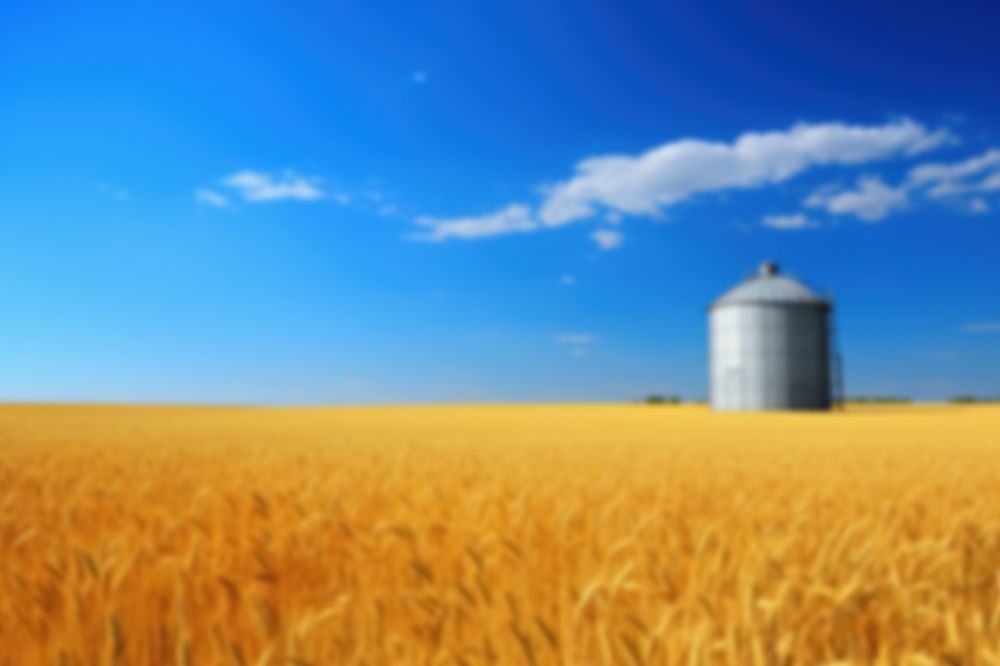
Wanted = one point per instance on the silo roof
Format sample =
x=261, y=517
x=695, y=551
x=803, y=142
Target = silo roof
x=769, y=286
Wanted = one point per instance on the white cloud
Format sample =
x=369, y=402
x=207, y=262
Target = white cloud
x=983, y=327
x=614, y=186
x=381, y=202
x=789, y=222
x=515, y=218
x=991, y=183
x=675, y=171
x=117, y=193
x=871, y=201
x=938, y=172
x=608, y=239
x=567, y=280
x=575, y=339
x=580, y=342
x=950, y=180
x=978, y=206
x=211, y=198
x=255, y=186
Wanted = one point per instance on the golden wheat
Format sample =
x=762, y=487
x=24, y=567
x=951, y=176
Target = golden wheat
x=565, y=535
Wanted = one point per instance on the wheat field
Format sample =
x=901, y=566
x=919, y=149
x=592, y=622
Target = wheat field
x=499, y=535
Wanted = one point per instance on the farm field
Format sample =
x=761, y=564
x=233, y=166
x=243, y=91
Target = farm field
x=563, y=535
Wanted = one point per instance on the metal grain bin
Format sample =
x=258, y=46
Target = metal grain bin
x=770, y=345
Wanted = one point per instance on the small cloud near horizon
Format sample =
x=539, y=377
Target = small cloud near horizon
x=579, y=343
x=115, y=192
x=575, y=339
x=982, y=327
x=211, y=198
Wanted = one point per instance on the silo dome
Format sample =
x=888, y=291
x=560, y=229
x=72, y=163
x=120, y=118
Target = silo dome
x=769, y=345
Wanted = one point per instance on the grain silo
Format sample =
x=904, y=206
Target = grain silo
x=770, y=345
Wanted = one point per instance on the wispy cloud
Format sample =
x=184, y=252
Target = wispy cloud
x=645, y=184
x=419, y=76
x=579, y=343
x=211, y=198
x=613, y=186
x=982, y=327
x=567, y=280
x=964, y=183
x=515, y=218
x=991, y=183
x=608, y=239
x=259, y=187
x=871, y=200
x=955, y=178
x=575, y=339
x=790, y=222
x=115, y=192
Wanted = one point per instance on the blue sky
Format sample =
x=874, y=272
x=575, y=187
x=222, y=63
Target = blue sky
x=388, y=202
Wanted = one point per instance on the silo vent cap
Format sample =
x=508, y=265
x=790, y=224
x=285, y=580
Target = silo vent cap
x=768, y=268
x=769, y=286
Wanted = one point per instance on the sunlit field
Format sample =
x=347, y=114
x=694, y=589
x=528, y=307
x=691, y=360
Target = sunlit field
x=499, y=535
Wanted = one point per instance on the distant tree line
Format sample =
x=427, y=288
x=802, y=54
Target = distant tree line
x=657, y=399
x=879, y=399
x=957, y=400
x=660, y=399
x=973, y=399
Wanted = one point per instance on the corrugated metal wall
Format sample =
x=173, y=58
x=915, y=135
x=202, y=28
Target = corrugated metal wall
x=769, y=356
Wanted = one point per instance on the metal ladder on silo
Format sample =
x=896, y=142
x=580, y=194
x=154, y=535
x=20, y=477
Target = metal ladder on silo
x=836, y=364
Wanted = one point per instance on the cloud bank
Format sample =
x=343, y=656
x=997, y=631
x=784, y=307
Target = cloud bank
x=666, y=175
x=675, y=171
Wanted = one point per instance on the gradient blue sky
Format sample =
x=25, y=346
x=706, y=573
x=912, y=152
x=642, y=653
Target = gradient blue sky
x=390, y=202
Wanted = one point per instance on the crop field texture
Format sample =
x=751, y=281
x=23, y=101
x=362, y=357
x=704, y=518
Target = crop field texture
x=499, y=535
